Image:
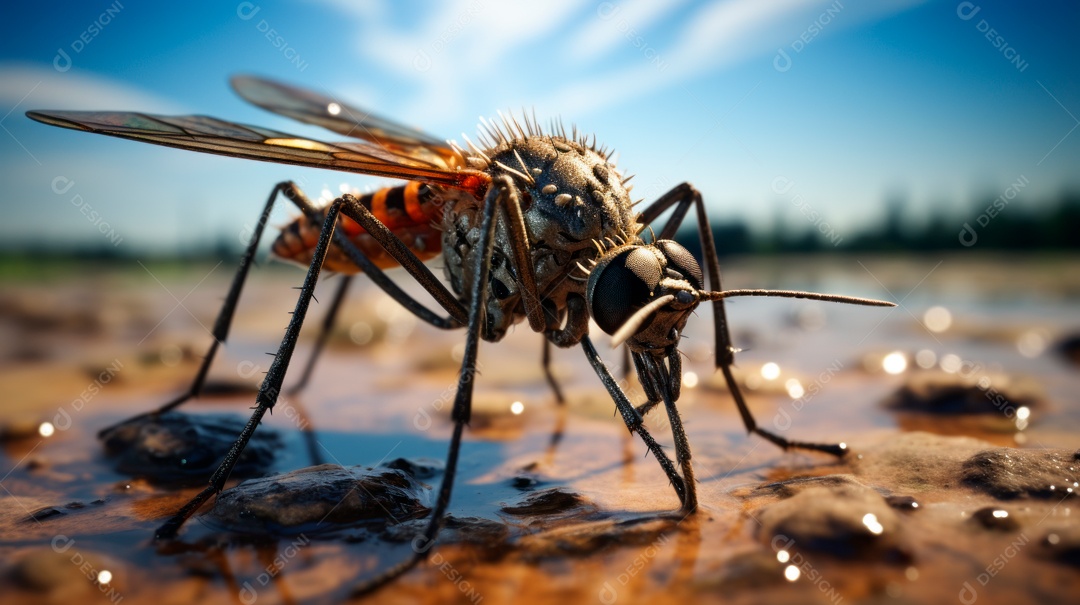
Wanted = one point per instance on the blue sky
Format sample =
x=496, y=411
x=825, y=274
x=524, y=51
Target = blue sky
x=766, y=106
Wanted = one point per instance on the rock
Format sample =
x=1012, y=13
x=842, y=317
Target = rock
x=51, y=512
x=176, y=449
x=493, y=536
x=584, y=538
x=65, y=569
x=547, y=502
x=476, y=530
x=24, y=426
x=944, y=393
x=1008, y=473
x=418, y=468
x=1063, y=545
x=915, y=462
x=903, y=503
x=524, y=482
x=797, y=485
x=845, y=519
x=1069, y=348
x=321, y=498
x=996, y=518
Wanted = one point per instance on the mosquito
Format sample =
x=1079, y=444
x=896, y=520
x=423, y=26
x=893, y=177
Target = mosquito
x=533, y=224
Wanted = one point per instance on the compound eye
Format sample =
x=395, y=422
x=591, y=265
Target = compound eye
x=681, y=260
x=620, y=284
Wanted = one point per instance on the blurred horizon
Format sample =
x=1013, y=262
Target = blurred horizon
x=803, y=123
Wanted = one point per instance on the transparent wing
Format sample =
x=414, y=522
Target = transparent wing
x=322, y=110
x=211, y=135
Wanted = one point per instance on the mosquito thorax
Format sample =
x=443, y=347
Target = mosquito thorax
x=571, y=195
x=628, y=278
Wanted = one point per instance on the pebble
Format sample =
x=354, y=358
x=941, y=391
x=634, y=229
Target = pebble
x=178, y=449
x=321, y=498
x=65, y=570
x=996, y=518
x=550, y=501
x=1008, y=473
x=843, y=519
x=1063, y=545
x=942, y=393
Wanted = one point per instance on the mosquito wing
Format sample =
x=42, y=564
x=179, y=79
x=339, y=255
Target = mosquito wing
x=322, y=110
x=211, y=135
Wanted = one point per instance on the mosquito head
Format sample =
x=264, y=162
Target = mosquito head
x=643, y=294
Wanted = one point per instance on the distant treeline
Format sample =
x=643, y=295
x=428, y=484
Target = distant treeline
x=993, y=224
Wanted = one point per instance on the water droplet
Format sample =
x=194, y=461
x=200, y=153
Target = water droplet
x=937, y=319
x=794, y=388
x=925, y=359
x=770, y=371
x=791, y=573
x=951, y=363
x=361, y=333
x=1031, y=344
x=894, y=363
x=871, y=522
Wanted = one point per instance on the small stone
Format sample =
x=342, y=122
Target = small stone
x=524, y=482
x=321, y=498
x=904, y=503
x=916, y=462
x=948, y=394
x=845, y=520
x=546, y=502
x=176, y=449
x=1069, y=348
x=65, y=569
x=42, y=514
x=1008, y=473
x=418, y=468
x=19, y=428
x=992, y=517
x=1063, y=545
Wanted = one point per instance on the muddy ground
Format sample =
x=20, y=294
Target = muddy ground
x=959, y=486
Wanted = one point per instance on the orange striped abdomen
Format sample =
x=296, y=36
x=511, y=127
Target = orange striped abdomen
x=410, y=211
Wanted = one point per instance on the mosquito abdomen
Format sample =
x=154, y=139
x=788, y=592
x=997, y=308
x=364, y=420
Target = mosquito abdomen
x=410, y=211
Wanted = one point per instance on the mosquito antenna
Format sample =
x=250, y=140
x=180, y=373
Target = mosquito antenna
x=630, y=326
x=850, y=300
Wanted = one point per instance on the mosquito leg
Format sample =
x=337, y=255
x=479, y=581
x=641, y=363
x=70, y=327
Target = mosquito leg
x=682, y=196
x=324, y=334
x=228, y=309
x=501, y=191
x=271, y=386
x=668, y=377
x=352, y=208
x=577, y=326
x=632, y=418
x=546, y=362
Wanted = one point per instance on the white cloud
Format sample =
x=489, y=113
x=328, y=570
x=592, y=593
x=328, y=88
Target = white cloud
x=604, y=30
x=451, y=54
x=29, y=86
